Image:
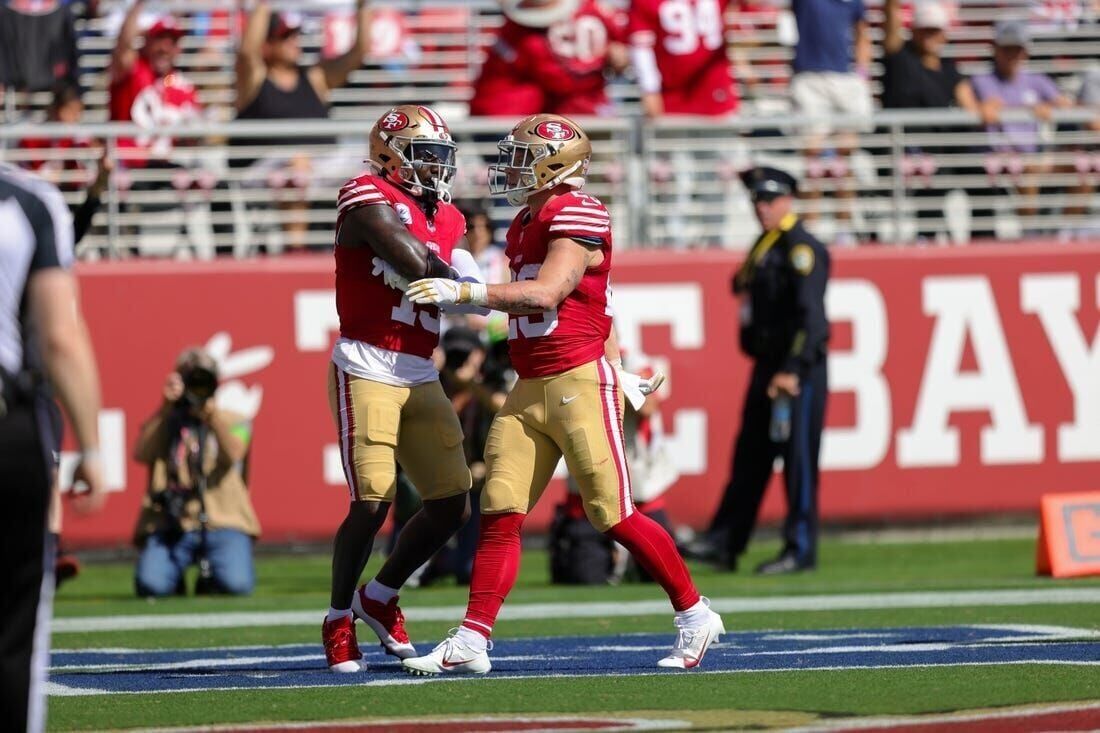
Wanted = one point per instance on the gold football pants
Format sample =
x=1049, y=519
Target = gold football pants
x=576, y=414
x=380, y=425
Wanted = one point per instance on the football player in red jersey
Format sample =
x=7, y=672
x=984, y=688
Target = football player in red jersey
x=678, y=50
x=394, y=223
x=550, y=56
x=569, y=397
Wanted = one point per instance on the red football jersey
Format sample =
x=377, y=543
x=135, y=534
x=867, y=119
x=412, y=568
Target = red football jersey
x=557, y=69
x=371, y=311
x=153, y=103
x=574, y=333
x=688, y=40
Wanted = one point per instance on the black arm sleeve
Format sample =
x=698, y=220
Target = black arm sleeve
x=379, y=228
x=82, y=218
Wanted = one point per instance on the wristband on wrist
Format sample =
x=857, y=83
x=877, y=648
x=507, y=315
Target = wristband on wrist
x=473, y=293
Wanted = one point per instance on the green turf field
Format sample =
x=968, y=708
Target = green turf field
x=761, y=699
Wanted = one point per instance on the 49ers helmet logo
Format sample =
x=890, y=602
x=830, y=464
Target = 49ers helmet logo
x=394, y=121
x=556, y=131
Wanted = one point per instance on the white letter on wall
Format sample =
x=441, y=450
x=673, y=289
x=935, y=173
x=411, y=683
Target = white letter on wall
x=965, y=306
x=859, y=371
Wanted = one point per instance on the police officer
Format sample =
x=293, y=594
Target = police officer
x=42, y=336
x=784, y=331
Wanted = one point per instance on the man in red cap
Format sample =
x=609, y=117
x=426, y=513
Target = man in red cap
x=145, y=86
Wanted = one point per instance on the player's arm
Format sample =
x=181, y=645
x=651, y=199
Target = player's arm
x=378, y=228
x=561, y=272
x=123, y=55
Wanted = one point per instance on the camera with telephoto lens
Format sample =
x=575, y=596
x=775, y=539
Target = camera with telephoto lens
x=199, y=385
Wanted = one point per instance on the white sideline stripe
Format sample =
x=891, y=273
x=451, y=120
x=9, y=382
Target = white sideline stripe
x=187, y=664
x=894, y=721
x=540, y=611
x=622, y=723
x=72, y=691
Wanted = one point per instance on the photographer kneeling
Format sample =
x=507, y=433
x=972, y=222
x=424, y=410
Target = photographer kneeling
x=196, y=510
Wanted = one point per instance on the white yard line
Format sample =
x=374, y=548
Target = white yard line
x=540, y=611
x=409, y=680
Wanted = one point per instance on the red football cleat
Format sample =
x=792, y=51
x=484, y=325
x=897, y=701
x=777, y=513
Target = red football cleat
x=386, y=620
x=341, y=648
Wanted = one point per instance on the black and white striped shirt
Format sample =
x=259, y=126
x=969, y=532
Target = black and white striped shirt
x=36, y=233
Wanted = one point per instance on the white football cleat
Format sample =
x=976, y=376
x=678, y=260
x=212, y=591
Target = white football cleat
x=451, y=656
x=693, y=641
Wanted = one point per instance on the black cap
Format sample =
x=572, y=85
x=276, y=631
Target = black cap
x=769, y=182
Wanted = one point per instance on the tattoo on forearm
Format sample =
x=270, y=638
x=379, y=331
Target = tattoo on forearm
x=531, y=296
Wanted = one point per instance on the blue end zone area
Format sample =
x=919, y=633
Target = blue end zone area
x=90, y=672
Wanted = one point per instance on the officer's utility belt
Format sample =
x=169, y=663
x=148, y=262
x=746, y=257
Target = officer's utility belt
x=17, y=390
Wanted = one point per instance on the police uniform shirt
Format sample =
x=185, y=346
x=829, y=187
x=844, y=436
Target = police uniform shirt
x=36, y=233
x=783, y=283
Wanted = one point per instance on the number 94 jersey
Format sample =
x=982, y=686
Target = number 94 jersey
x=371, y=311
x=574, y=333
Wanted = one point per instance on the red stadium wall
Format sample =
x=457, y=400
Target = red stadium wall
x=963, y=381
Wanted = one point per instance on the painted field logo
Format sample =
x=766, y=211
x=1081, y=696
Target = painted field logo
x=394, y=121
x=1069, y=535
x=556, y=131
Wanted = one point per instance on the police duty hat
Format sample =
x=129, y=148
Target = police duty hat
x=768, y=183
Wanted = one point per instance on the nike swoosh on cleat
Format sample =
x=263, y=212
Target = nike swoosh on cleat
x=452, y=665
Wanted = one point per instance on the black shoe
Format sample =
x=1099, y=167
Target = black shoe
x=785, y=564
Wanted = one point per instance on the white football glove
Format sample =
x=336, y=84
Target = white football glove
x=466, y=269
x=636, y=387
x=389, y=275
x=442, y=291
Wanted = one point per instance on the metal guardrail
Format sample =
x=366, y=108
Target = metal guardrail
x=900, y=176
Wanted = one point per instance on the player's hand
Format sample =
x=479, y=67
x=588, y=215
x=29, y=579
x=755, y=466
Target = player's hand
x=785, y=383
x=389, y=275
x=173, y=388
x=89, y=492
x=441, y=291
x=636, y=388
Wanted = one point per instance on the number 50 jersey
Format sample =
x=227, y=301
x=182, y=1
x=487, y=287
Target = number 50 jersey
x=573, y=333
x=371, y=311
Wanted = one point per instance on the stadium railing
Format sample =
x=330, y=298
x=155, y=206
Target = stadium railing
x=913, y=176
x=431, y=50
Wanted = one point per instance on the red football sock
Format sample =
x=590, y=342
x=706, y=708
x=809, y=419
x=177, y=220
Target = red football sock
x=496, y=564
x=655, y=551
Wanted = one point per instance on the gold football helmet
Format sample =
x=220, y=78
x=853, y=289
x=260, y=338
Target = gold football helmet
x=411, y=146
x=541, y=152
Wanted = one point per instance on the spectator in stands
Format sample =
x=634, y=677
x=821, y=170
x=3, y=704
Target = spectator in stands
x=832, y=62
x=273, y=84
x=1011, y=87
x=60, y=159
x=146, y=88
x=481, y=241
x=37, y=45
x=679, y=55
x=197, y=508
x=918, y=76
x=550, y=56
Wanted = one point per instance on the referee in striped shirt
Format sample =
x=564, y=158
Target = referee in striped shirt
x=42, y=337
